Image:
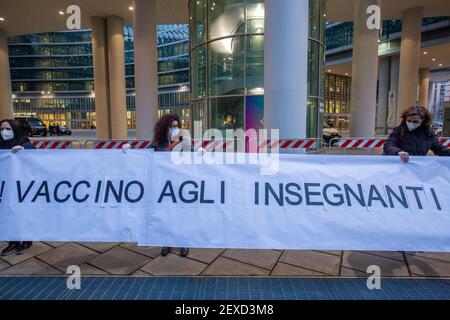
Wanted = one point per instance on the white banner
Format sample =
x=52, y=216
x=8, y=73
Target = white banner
x=303, y=202
x=73, y=195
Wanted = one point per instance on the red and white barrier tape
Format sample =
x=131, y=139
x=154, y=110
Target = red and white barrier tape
x=216, y=145
x=288, y=144
x=257, y=145
x=445, y=141
x=48, y=144
x=141, y=144
x=361, y=143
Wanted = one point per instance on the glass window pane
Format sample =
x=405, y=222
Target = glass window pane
x=255, y=16
x=226, y=113
x=225, y=18
x=226, y=66
x=197, y=21
x=255, y=62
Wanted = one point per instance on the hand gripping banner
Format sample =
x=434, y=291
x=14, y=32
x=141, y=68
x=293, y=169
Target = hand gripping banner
x=240, y=201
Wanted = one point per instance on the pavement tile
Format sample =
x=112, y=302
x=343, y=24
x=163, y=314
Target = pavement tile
x=261, y=258
x=443, y=256
x=3, y=265
x=397, y=255
x=31, y=267
x=87, y=269
x=346, y=272
x=140, y=273
x=151, y=252
x=335, y=252
x=100, y=246
x=119, y=261
x=174, y=265
x=66, y=255
x=204, y=255
x=227, y=267
x=36, y=249
x=360, y=261
x=314, y=260
x=55, y=244
x=282, y=269
x=428, y=267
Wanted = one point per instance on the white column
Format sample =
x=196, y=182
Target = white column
x=409, y=59
x=6, y=109
x=101, y=79
x=145, y=67
x=424, y=85
x=116, y=66
x=285, y=67
x=383, y=95
x=364, y=72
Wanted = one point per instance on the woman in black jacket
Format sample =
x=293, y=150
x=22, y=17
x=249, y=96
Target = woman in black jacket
x=11, y=137
x=414, y=136
x=165, y=138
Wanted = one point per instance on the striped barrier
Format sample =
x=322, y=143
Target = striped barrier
x=360, y=143
x=357, y=146
x=217, y=145
x=445, y=141
x=289, y=144
x=117, y=144
x=55, y=144
x=253, y=146
x=372, y=143
x=259, y=145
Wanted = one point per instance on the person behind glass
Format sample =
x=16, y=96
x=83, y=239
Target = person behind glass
x=165, y=138
x=11, y=137
x=414, y=136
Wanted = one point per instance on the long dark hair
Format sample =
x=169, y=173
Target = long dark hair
x=19, y=137
x=162, y=129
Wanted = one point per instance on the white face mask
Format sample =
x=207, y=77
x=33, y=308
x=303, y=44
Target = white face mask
x=412, y=126
x=7, y=134
x=173, y=132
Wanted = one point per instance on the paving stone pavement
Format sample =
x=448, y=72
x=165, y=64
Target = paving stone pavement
x=53, y=258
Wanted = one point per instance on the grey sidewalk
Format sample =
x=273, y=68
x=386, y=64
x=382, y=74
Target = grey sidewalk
x=53, y=258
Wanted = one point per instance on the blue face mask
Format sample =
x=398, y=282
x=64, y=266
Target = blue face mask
x=7, y=134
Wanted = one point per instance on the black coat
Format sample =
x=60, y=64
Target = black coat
x=25, y=143
x=417, y=142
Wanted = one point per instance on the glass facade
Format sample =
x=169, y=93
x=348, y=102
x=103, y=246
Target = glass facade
x=338, y=98
x=52, y=75
x=340, y=34
x=227, y=63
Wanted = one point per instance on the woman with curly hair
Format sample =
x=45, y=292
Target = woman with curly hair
x=166, y=136
x=414, y=136
x=166, y=133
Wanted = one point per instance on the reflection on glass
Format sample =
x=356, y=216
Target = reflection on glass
x=226, y=113
x=226, y=17
x=234, y=53
x=226, y=66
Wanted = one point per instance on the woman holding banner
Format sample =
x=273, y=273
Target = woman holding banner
x=166, y=136
x=414, y=136
x=11, y=137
